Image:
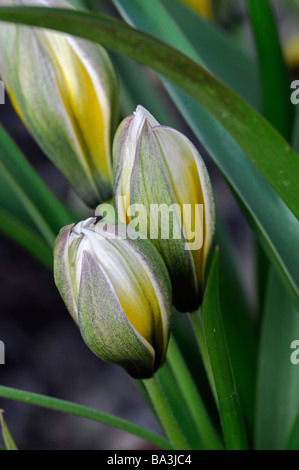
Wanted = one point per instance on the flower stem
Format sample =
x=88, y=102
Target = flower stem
x=164, y=412
x=192, y=397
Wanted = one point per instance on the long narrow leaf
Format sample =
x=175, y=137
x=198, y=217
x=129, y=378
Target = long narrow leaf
x=139, y=90
x=278, y=111
x=264, y=209
x=229, y=405
x=26, y=237
x=296, y=131
x=278, y=379
x=293, y=438
x=178, y=405
x=7, y=437
x=266, y=148
x=84, y=412
x=220, y=53
x=47, y=213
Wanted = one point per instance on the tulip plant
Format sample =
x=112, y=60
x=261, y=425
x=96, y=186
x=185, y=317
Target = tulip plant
x=150, y=278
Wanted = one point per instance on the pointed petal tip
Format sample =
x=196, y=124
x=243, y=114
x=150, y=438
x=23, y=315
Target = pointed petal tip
x=142, y=113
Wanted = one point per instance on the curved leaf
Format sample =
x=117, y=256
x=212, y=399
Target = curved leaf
x=26, y=237
x=84, y=412
x=263, y=145
x=44, y=210
x=266, y=211
x=220, y=53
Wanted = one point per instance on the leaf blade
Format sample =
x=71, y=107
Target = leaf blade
x=7, y=437
x=266, y=149
x=278, y=380
x=84, y=412
x=229, y=405
x=26, y=237
x=265, y=210
x=44, y=210
x=218, y=51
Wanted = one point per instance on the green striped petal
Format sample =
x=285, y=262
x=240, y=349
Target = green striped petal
x=62, y=274
x=105, y=327
x=158, y=167
x=118, y=291
x=65, y=91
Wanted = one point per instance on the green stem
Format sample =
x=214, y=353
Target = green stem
x=196, y=321
x=192, y=397
x=164, y=412
x=84, y=412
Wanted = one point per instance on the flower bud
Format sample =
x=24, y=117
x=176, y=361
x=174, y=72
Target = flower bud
x=65, y=91
x=118, y=292
x=158, y=168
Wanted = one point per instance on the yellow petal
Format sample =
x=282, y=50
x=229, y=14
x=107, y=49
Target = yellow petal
x=190, y=185
x=84, y=101
x=202, y=7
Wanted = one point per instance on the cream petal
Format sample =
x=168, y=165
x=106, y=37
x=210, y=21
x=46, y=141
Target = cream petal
x=104, y=326
x=192, y=185
x=62, y=275
x=65, y=91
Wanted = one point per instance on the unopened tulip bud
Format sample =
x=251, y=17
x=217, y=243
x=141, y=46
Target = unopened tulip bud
x=65, y=91
x=159, y=168
x=118, y=292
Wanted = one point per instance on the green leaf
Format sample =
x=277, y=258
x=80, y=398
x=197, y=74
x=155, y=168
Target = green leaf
x=264, y=209
x=26, y=237
x=296, y=131
x=84, y=412
x=278, y=111
x=136, y=88
x=179, y=408
x=241, y=125
x=239, y=329
x=219, y=52
x=166, y=416
x=266, y=148
x=194, y=402
x=7, y=437
x=238, y=326
x=30, y=193
x=229, y=405
x=293, y=439
x=278, y=379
